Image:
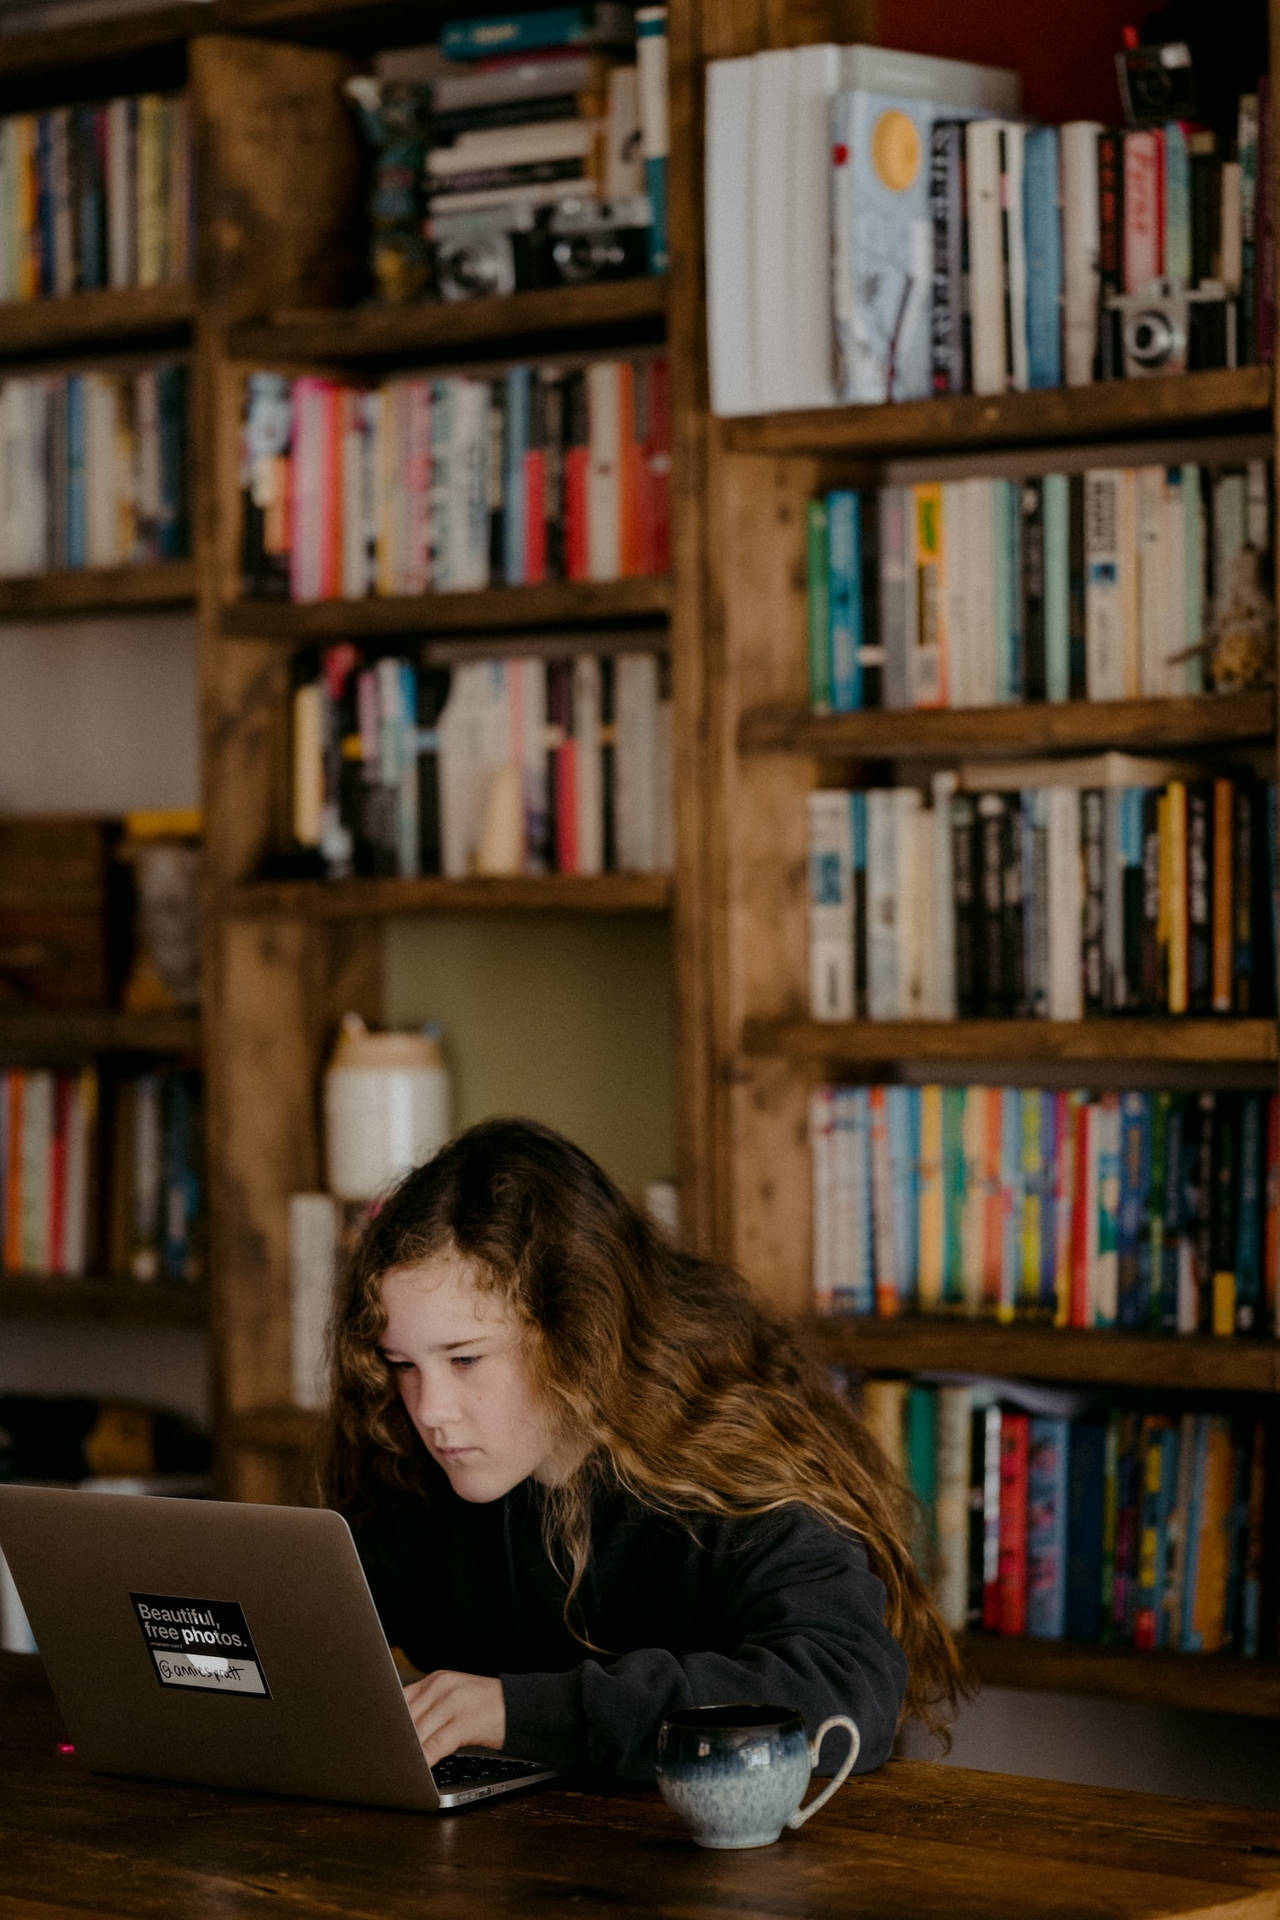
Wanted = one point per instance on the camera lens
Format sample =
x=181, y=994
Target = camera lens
x=1149, y=337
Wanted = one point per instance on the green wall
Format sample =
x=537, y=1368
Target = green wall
x=566, y=1018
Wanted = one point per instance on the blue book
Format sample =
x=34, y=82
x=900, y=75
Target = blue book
x=922, y=1470
x=1004, y=516
x=603, y=25
x=171, y=401
x=1056, y=498
x=902, y=1110
x=844, y=598
x=1188, y=1639
x=1131, y=849
x=517, y=446
x=1086, y=1517
x=1164, y=1301
x=953, y=1190
x=1250, y=1301
x=1043, y=230
x=1159, y=1488
x=858, y=815
x=1013, y=1180
x=1177, y=203
x=181, y=1179
x=1047, y=1527
x=77, y=503
x=1050, y=1148
x=91, y=268
x=1135, y=1183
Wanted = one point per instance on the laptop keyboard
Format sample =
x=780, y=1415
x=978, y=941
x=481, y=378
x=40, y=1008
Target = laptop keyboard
x=464, y=1770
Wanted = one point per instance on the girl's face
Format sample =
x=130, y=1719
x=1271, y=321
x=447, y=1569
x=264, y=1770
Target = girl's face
x=466, y=1382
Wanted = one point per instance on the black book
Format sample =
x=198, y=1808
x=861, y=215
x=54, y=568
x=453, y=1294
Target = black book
x=608, y=762
x=1092, y=853
x=990, y=895
x=1200, y=1206
x=1218, y=1312
x=946, y=215
x=433, y=685
x=1262, y=991
x=967, y=911
x=1179, y=1167
x=1013, y=907
x=1199, y=896
x=1110, y=248
x=497, y=479
x=872, y=654
x=1033, y=676
x=1077, y=653
x=1152, y=975
x=1133, y=909
x=1206, y=208
x=444, y=128
x=553, y=386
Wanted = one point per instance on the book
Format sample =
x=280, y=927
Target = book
x=833, y=930
x=651, y=63
x=1015, y=1438
x=601, y=24
x=1047, y=1505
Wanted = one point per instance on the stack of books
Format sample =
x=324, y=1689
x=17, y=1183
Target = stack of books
x=101, y=1179
x=1055, y=890
x=1101, y=584
x=547, y=144
x=1060, y=1516
x=455, y=482
x=95, y=196
x=94, y=469
x=885, y=226
x=1129, y=1210
x=543, y=761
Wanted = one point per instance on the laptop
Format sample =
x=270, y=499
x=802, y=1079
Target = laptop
x=227, y=1645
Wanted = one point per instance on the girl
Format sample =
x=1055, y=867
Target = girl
x=591, y=1481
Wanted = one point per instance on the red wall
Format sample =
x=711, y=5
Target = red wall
x=1064, y=51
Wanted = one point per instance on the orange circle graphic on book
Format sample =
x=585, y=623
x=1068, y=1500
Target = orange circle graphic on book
x=895, y=150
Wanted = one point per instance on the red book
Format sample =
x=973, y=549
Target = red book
x=577, y=462
x=1143, y=225
x=1110, y=234
x=1082, y=1215
x=657, y=453
x=1015, y=1433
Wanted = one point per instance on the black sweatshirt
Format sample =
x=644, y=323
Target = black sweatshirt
x=779, y=1609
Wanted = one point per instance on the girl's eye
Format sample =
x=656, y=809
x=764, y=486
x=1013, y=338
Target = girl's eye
x=396, y=1366
x=466, y=1360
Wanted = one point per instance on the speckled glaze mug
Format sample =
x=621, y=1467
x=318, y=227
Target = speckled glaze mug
x=736, y=1774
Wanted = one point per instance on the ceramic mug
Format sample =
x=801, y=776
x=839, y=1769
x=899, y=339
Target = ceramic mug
x=736, y=1774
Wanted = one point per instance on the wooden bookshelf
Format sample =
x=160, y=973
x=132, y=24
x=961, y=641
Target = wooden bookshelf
x=127, y=316
x=62, y=1031
x=1223, y=1041
x=493, y=610
x=1076, y=726
x=1110, y=409
x=430, y=329
x=1197, y=1683
x=955, y=1343
x=109, y=1302
x=82, y=591
x=319, y=900
x=276, y=1429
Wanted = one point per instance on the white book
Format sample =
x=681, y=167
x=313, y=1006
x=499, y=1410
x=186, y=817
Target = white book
x=1066, y=900
x=815, y=77
x=587, y=763
x=534, y=193
x=604, y=461
x=822, y=1155
x=914, y=847
x=622, y=174
x=941, y=924
x=957, y=560
x=469, y=449
x=1103, y=596
x=1127, y=570
x=635, y=761
x=771, y=196
x=983, y=673
x=313, y=1269
x=884, y=994
x=664, y=781
x=1109, y=768
x=730, y=151
x=467, y=764
x=527, y=681
x=1194, y=610
x=517, y=146
x=954, y=1414
x=854, y=1147
x=1173, y=674
x=1153, y=578
x=832, y=926
x=986, y=268
x=1081, y=284
x=100, y=468
x=1013, y=143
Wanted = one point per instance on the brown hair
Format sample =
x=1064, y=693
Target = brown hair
x=694, y=1398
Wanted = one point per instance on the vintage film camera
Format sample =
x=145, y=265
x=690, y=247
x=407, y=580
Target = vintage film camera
x=490, y=251
x=1166, y=327
x=598, y=240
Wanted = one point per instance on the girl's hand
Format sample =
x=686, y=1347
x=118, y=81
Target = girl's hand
x=452, y=1710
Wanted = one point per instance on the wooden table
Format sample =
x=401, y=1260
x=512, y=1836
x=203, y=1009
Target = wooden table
x=914, y=1840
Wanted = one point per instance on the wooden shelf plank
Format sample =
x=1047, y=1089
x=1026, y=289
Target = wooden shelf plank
x=1226, y=1041
x=91, y=320
x=125, y=1302
x=438, y=327
x=522, y=893
x=1128, y=725
x=934, y=1343
x=74, y=1030
x=495, y=610
x=81, y=591
x=1106, y=409
x=1204, y=1683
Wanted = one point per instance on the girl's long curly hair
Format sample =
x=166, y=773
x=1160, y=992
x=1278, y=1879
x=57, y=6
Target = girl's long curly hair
x=692, y=1397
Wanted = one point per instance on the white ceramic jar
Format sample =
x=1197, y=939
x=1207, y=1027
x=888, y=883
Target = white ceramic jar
x=386, y=1105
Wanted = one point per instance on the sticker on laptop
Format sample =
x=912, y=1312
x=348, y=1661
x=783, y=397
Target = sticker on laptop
x=200, y=1643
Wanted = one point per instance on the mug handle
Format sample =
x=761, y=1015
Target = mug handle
x=801, y=1814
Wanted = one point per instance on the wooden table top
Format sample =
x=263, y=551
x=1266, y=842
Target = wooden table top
x=916, y=1841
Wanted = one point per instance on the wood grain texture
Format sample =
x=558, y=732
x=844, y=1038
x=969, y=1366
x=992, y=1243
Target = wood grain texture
x=915, y=1840
x=32, y=1031
x=532, y=893
x=78, y=592
x=118, y=316
x=556, y=603
x=861, y=1041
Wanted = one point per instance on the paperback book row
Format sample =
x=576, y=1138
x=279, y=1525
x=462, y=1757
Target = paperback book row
x=1060, y=1516
x=93, y=469
x=97, y=195
x=524, y=151
x=886, y=226
x=1104, y=585
x=453, y=765
x=1130, y=1210
x=455, y=483
x=101, y=1175
x=1108, y=895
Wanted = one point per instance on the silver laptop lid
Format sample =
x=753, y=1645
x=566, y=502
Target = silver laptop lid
x=229, y=1645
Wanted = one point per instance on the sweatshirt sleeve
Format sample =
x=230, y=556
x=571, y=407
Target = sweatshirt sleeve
x=803, y=1628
